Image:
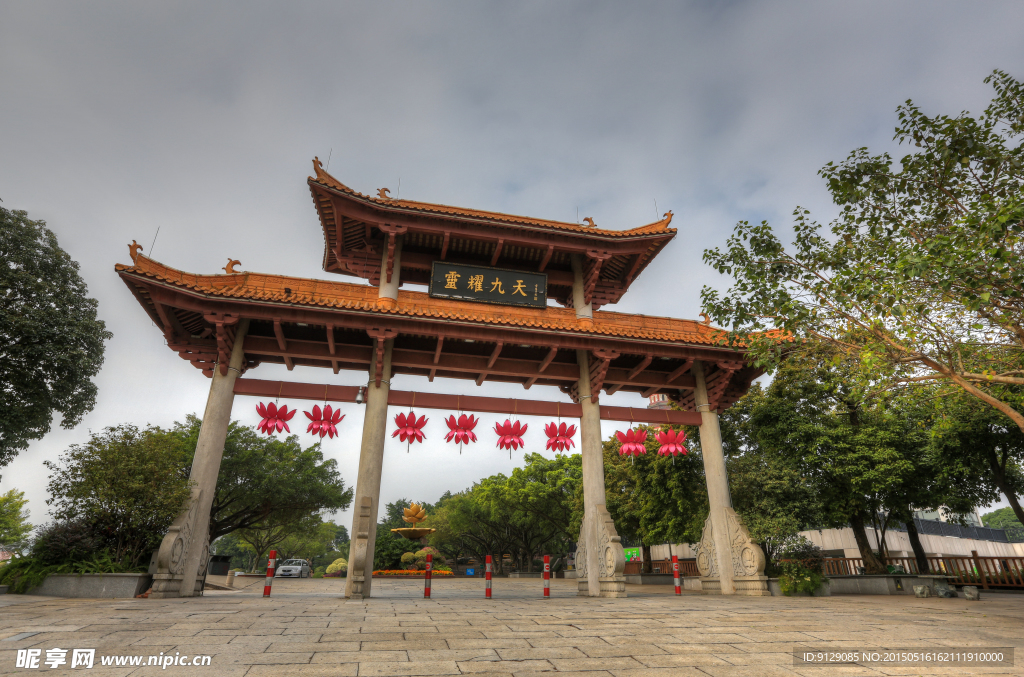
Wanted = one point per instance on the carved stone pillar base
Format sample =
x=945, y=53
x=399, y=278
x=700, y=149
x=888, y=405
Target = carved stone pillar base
x=171, y=557
x=355, y=586
x=609, y=587
x=751, y=586
x=598, y=537
x=745, y=557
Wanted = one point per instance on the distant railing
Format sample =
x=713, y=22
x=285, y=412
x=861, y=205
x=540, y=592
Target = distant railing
x=1007, y=572
x=940, y=528
x=687, y=567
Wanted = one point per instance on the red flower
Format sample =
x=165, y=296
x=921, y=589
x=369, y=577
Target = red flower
x=409, y=428
x=274, y=420
x=461, y=430
x=510, y=435
x=560, y=436
x=632, y=442
x=671, y=442
x=323, y=423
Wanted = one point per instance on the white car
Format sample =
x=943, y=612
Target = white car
x=297, y=568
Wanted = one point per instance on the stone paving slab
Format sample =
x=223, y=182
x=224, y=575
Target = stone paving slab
x=306, y=628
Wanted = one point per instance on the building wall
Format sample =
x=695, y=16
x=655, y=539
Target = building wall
x=840, y=543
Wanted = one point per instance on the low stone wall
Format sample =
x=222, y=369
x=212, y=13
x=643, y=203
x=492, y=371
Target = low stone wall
x=688, y=582
x=93, y=585
x=880, y=585
x=526, y=574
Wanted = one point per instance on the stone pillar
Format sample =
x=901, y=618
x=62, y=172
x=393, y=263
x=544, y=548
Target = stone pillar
x=367, y=498
x=729, y=562
x=371, y=453
x=599, y=557
x=185, y=550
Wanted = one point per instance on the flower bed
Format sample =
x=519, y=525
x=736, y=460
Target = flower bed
x=408, y=573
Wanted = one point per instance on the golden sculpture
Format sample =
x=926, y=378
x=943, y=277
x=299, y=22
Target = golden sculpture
x=414, y=514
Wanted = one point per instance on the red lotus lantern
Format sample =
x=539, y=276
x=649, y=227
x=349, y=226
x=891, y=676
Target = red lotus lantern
x=559, y=436
x=510, y=435
x=461, y=430
x=274, y=420
x=325, y=422
x=671, y=442
x=409, y=428
x=632, y=442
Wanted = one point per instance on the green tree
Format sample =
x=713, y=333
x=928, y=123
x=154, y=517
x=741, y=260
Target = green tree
x=309, y=543
x=655, y=499
x=14, y=526
x=51, y=344
x=973, y=437
x=1005, y=518
x=771, y=491
x=264, y=478
x=920, y=279
x=125, y=483
x=847, y=448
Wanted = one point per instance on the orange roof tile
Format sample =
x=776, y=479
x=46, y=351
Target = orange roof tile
x=325, y=179
x=342, y=295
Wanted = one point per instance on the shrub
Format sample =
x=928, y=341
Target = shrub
x=65, y=542
x=796, y=577
x=442, y=567
x=409, y=561
x=337, y=566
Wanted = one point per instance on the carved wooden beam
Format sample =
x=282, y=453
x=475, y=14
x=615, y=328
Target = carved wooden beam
x=684, y=368
x=279, y=333
x=330, y=340
x=380, y=335
x=393, y=232
x=490, y=363
x=547, y=257
x=497, y=251
x=598, y=370
x=644, y=363
x=547, y=361
x=444, y=245
x=592, y=272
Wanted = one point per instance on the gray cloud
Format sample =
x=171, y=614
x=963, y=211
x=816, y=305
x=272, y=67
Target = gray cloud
x=200, y=119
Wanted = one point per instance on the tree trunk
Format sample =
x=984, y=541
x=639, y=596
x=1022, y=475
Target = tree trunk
x=915, y=544
x=645, y=553
x=872, y=565
x=999, y=473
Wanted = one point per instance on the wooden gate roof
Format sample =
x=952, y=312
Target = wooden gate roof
x=357, y=229
x=340, y=326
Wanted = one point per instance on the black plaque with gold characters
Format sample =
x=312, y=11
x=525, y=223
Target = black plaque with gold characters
x=488, y=285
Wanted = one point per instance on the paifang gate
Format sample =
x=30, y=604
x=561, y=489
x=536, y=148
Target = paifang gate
x=228, y=324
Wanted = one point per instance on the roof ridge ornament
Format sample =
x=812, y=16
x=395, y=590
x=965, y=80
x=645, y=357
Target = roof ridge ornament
x=133, y=249
x=230, y=268
x=590, y=222
x=382, y=193
x=668, y=217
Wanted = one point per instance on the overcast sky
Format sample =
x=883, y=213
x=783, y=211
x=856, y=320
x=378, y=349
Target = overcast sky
x=201, y=120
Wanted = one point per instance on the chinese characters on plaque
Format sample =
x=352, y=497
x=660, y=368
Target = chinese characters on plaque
x=488, y=285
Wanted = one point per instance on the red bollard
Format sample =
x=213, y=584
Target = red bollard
x=487, y=575
x=271, y=566
x=426, y=581
x=547, y=575
x=675, y=573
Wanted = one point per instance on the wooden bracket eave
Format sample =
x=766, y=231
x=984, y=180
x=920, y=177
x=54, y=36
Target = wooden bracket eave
x=497, y=251
x=684, y=368
x=380, y=335
x=598, y=370
x=592, y=272
x=393, y=232
x=722, y=378
x=547, y=257
x=444, y=245
x=224, y=330
x=490, y=363
x=644, y=363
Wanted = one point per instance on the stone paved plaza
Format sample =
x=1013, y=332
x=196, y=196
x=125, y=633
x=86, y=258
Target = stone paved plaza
x=305, y=628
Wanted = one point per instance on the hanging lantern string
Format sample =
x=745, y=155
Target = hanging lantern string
x=279, y=391
x=458, y=406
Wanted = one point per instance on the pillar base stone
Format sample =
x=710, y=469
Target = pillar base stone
x=609, y=587
x=752, y=586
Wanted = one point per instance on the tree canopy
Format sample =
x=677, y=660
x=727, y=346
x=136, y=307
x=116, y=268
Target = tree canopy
x=51, y=342
x=265, y=478
x=919, y=279
x=14, y=525
x=125, y=484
